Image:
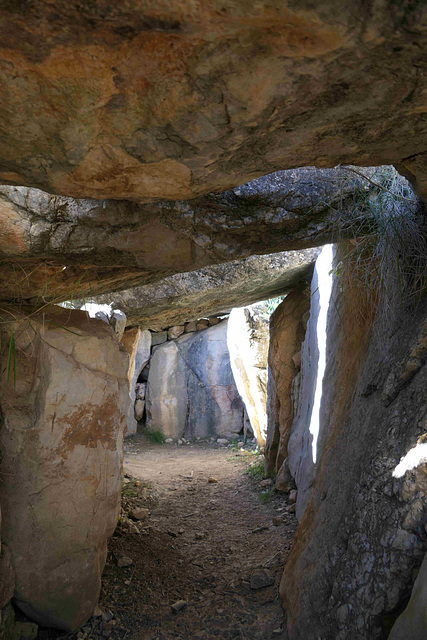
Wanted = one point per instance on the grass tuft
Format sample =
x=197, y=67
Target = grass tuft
x=386, y=258
x=155, y=436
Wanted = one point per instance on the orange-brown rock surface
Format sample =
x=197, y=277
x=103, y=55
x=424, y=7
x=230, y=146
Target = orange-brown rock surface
x=147, y=100
x=286, y=335
x=64, y=402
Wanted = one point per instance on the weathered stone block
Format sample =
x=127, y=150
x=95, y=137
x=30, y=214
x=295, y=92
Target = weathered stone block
x=61, y=452
x=138, y=345
x=158, y=337
x=7, y=577
x=191, y=391
x=139, y=409
x=412, y=623
x=202, y=324
x=175, y=332
x=247, y=339
x=118, y=322
x=362, y=534
x=286, y=335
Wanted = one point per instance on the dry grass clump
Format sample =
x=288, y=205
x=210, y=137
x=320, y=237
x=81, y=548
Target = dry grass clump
x=389, y=264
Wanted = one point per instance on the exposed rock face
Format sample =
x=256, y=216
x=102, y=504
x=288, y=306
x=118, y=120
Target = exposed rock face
x=117, y=244
x=213, y=290
x=175, y=100
x=286, y=335
x=362, y=533
x=138, y=344
x=191, y=391
x=304, y=442
x=61, y=448
x=413, y=621
x=247, y=340
x=7, y=577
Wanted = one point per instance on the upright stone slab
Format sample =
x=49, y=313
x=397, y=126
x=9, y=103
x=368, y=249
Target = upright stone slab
x=286, y=335
x=412, y=623
x=166, y=394
x=138, y=345
x=61, y=460
x=362, y=534
x=247, y=339
x=300, y=441
x=191, y=391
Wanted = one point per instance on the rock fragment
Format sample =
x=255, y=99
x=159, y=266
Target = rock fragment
x=178, y=606
x=260, y=580
x=124, y=561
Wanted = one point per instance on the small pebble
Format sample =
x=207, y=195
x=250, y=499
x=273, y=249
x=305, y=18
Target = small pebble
x=178, y=606
x=261, y=579
x=212, y=480
x=124, y=561
x=139, y=514
x=107, y=616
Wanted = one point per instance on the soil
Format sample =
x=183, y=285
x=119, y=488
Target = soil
x=212, y=538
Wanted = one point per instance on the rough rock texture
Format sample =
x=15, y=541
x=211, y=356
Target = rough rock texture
x=213, y=290
x=247, y=340
x=138, y=344
x=149, y=100
x=362, y=533
x=286, y=335
x=61, y=451
x=11, y=629
x=7, y=577
x=118, y=322
x=412, y=623
x=312, y=389
x=191, y=391
x=110, y=244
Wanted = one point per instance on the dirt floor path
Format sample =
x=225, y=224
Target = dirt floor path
x=195, y=528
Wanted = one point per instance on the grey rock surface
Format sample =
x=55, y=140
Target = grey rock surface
x=118, y=322
x=302, y=450
x=141, y=358
x=213, y=290
x=132, y=244
x=412, y=623
x=248, y=337
x=7, y=577
x=190, y=391
x=363, y=532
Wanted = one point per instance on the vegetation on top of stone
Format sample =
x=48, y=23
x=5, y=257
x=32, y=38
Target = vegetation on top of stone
x=272, y=304
x=389, y=263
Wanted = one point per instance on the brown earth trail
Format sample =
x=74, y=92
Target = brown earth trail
x=208, y=539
